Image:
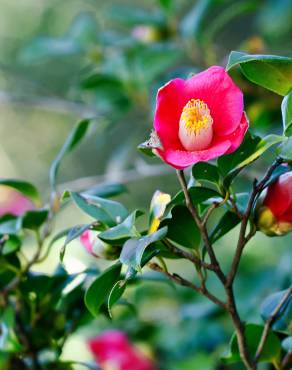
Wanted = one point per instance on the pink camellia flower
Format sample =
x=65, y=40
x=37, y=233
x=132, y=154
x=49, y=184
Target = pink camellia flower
x=274, y=216
x=198, y=119
x=13, y=202
x=113, y=351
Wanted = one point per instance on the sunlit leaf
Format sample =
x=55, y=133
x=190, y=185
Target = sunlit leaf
x=269, y=71
x=287, y=114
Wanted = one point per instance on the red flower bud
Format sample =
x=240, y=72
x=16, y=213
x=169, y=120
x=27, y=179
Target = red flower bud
x=113, y=350
x=275, y=213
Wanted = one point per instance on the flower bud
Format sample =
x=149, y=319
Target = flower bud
x=146, y=34
x=274, y=215
x=98, y=248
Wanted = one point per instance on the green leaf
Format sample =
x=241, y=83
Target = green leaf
x=286, y=108
x=115, y=294
x=25, y=188
x=98, y=292
x=107, y=191
x=106, y=211
x=249, y=151
x=10, y=226
x=72, y=140
x=157, y=209
x=11, y=245
x=287, y=344
x=125, y=230
x=199, y=194
x=226, y=223
x=8, y=339
x=206, y=171
x=34, y=219
x=285, y=150
x=133, y=250
x=182, y=228
x=253, y=333
x=283, y=321
x=269, y=71
x=72, y=234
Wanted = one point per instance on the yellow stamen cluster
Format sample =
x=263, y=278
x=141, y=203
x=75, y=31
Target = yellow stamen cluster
x=195, y=116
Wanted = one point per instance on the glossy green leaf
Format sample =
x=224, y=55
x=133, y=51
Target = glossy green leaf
x=34, y=219
x=125, y=230
x=285, y=150
x=287, y=344
x=25, y=188
x=286, y=108
x=269, y=71
x=99, y=290
x=206, y=171
x=8, y=339
x=133, y=250
x=11, y=245
x=106, y=211
x=253, y=332
x=72, y=140
x=226, y=223
x=182, y=228
x=199, y=194
x=115, y=294
x=283, y=321
x=249, y=151
x=107, y=191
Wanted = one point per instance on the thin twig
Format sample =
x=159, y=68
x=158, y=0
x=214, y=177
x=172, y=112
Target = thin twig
x=189, y=256
x=270, y=322
x=242, y=240
x=186, y=283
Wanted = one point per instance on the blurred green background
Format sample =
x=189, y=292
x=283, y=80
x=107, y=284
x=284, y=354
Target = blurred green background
x=61, y=60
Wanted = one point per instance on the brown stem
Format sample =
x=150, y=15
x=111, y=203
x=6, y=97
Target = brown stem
x=287, y=360
x=201, y=226
x=189, y=256
x=270, y=322
x=239, y=328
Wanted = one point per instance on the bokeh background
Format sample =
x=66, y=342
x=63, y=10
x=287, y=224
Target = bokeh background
x=62, y=60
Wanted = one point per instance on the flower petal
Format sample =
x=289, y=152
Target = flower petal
x=237, y=136
x=181, y=159
x=223, y=97
x=169, y=105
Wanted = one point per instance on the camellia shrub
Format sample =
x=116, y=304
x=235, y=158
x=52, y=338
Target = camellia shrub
x=201, y=130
